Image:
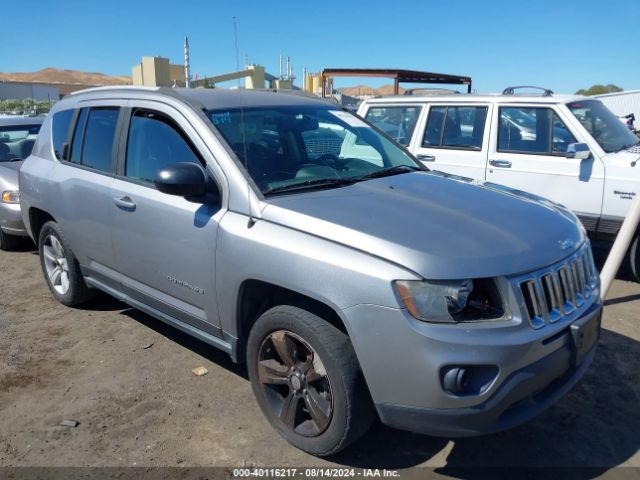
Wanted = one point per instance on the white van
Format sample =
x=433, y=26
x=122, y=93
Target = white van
x=570, y=149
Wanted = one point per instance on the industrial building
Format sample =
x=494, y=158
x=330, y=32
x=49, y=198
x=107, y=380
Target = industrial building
x=623, y=103
x=24, y=90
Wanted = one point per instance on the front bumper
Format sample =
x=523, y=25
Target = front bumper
x=535, y=369
x=11, y=220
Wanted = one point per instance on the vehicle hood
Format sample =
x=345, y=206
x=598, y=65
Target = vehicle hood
x=9, y=173
x=623, y=158
x=436, y=226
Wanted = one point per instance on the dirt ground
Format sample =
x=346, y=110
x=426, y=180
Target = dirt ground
x=126, y=378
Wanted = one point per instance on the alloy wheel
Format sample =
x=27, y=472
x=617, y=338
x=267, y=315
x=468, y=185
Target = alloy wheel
x=56, y=264
x=295, y=383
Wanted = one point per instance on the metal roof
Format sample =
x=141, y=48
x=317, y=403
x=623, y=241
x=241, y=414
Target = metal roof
x=398, y=76
x=16, y=120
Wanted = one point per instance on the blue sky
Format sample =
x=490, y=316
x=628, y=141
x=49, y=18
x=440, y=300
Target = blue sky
x=562, y=44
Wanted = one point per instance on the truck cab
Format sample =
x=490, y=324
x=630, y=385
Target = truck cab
x=570, y=149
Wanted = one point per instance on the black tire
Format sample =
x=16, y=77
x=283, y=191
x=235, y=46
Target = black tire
x=351, y=411
x=634, y=258
x=9, y=242
x=78, y=292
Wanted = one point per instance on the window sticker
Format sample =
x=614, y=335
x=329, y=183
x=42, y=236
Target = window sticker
x=221, y=118
x=349, y=119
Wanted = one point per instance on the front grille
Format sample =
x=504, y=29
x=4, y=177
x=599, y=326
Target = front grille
x=558, y=291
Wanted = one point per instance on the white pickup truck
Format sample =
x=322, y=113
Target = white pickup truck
x=570, y=149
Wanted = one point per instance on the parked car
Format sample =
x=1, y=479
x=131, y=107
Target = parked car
x=17, y=136
x=588, y=163
x=351, y=286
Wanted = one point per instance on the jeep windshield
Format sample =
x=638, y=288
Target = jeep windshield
x=294, y=148
x=610, y=133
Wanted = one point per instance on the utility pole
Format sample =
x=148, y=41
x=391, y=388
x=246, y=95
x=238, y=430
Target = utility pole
x=187, y=69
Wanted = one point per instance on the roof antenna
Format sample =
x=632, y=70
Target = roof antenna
x=252, y=221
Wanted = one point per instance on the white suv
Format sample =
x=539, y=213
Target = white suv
x=570, y=149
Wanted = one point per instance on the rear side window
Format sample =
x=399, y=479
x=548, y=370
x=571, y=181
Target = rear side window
x=457, y=127
x=154, y=143
x=98, y=139
x=60, y=130
x=533, y=130
x=78, y=135
x=397, y=122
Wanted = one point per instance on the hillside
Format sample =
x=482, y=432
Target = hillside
x=54, y=75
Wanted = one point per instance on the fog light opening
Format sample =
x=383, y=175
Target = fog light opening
x=468, y=379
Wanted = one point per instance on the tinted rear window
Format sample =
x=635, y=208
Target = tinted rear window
x=60, y=130
x=98, y=138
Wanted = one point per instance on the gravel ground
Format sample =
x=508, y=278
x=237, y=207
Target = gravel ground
x=126, y=378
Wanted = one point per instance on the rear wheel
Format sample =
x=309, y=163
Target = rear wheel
x=9, y=242
x=60, y=267
x=306, y=379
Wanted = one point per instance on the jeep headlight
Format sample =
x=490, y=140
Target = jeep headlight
x=450, y=301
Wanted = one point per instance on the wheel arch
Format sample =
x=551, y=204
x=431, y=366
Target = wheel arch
x=37, y=218
x=256, y=297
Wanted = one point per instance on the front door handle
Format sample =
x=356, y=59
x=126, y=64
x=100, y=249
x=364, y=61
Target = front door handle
x=426, y=158
x=500, y=163
x=124, y=203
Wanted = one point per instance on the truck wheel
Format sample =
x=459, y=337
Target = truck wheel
x=8, y=242
x=634, y=257
x=305, y=376
x=60, y=267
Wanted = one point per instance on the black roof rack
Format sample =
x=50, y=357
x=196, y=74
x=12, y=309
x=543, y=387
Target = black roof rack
x=512, y=90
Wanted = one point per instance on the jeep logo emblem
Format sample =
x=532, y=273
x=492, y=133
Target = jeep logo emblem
x=566, y=244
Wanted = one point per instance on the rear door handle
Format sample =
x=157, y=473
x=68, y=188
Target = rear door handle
x=500, y=163
x=426, y=158
x=124, y=203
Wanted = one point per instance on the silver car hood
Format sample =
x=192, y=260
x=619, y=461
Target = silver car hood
x=435, y=226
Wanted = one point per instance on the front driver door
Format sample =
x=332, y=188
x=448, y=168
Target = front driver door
x=529, y=153
x=164, y=244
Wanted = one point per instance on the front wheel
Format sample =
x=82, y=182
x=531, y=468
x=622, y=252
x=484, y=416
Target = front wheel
x=306, y=378
x=60, y=267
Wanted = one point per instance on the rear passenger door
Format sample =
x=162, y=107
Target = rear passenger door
x=164, y=244
x=529, y=153
x=454, y=139
x=84, y=179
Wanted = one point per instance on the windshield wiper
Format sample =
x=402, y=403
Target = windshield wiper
x=310, y=184
x=387, y=172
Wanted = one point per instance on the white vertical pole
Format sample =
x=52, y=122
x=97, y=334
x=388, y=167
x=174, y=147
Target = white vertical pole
x=620, y=246
x=187, y=69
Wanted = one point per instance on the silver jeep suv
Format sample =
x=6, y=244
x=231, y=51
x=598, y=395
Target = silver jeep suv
x=353, y=281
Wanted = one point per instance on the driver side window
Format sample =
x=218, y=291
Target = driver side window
x=154, y=143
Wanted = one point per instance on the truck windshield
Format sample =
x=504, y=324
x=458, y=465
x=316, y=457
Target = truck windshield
x=610, y=133
x=295, y=148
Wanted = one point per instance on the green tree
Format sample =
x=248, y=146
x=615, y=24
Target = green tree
x=26, y=105
x=599, y=89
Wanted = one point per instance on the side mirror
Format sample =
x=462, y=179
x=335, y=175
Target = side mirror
x=578, y=151
x=182, y=179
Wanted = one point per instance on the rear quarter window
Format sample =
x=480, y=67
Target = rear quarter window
x=60, y=130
